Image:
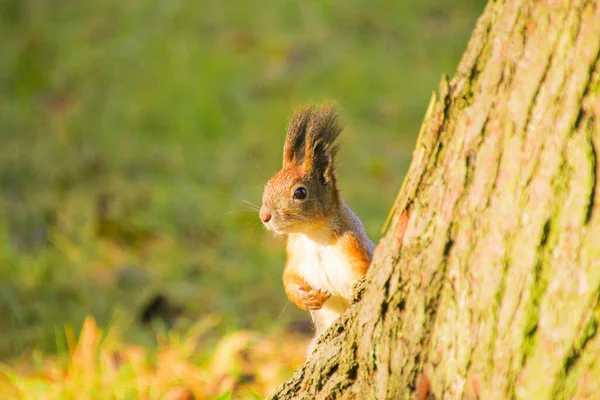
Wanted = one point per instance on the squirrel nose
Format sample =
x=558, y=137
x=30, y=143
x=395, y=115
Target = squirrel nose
x=265, y=215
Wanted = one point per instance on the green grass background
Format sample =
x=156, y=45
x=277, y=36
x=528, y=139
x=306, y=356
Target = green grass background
x=132, y=134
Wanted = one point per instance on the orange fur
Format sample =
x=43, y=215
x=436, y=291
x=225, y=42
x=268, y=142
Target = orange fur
x=292, y=281
x=288, y=175
x=357, y=252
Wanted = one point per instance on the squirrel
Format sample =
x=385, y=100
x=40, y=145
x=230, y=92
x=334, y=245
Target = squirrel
x=328, y=250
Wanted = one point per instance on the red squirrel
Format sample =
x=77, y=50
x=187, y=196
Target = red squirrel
x=327, y=247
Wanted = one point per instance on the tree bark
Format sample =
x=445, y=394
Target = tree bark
x=487, y=283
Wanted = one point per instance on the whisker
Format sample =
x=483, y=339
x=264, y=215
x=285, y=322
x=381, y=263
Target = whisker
x=239, y=211
x=284, y=308
x=256, y=207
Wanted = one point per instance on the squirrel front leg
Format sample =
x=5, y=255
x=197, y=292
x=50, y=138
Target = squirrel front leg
x=300, y=292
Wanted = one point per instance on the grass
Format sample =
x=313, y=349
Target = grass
x=100, y=366
x=134, y=134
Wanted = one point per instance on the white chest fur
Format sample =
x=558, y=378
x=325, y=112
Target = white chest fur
x=325, y=267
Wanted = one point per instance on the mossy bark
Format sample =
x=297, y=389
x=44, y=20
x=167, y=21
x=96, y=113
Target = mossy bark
x=487, y=283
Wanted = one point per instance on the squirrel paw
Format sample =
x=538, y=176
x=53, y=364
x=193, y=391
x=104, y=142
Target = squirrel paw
x=313, y=299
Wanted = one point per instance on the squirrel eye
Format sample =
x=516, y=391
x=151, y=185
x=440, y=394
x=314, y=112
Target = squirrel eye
x=300, y=193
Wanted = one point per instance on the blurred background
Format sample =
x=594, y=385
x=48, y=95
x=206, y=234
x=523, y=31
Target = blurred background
x=135, y=137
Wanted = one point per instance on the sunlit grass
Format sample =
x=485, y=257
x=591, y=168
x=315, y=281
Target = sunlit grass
x=100, y=365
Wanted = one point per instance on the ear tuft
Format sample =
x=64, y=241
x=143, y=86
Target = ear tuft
x=293, y=149
x=320, y=141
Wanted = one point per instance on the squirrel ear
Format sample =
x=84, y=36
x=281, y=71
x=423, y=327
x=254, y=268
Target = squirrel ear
x=322, y=162
x=320, y=146
x=293, y=148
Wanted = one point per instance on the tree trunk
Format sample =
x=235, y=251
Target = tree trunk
x=487, y=283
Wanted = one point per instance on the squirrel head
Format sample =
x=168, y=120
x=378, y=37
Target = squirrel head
x=303, y=196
